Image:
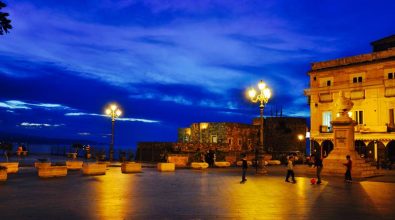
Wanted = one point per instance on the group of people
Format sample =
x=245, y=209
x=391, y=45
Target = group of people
x=318, y=164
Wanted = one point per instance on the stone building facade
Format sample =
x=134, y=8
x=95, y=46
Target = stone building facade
x=235, y=136
x=284, y=134
x=369, y=81
x=230, y=139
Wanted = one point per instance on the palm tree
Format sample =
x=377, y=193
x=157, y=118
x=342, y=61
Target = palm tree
x=5, y=23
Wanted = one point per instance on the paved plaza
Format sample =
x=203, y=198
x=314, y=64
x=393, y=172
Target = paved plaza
x=193, y=194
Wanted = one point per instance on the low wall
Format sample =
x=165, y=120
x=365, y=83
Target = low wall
x=52, y=171
x=130, y=167
x=94, y=168
x=199, y=165
x=166, y=167
x=12, y=167
x=179, y=160
x=74, y=164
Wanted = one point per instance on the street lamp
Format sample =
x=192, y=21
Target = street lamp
x=263, y=98
x=114, y=112
x=300, y=138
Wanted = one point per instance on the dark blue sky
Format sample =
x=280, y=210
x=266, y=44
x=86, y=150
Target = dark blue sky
x=168, y=63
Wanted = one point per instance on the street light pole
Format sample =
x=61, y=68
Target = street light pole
x=263, y=99
x=114, y=112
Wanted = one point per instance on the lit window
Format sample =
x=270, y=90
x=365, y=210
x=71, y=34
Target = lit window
x=214, y=139
x=358, y=117
x=326, y=118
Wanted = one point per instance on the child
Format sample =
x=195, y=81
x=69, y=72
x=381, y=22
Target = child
x=318, y=164
x=347, y=176
x=244, y=167
x=290, y=170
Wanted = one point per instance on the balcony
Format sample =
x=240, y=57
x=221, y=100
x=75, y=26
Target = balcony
x=357, y=94
x=325, y=129
x=326, y=97
x=389, y=85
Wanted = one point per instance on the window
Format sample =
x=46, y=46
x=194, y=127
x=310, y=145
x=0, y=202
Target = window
x=326, y=118
x=239, y=142
x=214, y=139
x=328, y=83
x=391, y=117
x=359, y=117
x=357, y=79
x=230, y=141
x=390, y=75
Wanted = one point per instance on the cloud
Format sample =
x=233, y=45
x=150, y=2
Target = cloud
x=84, y=133
x=118, y=119
x=16, y=104
x=165, y=53
x=28, y=124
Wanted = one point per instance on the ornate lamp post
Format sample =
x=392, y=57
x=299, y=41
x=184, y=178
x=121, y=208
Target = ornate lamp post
x=262, y=98
x=114, y=112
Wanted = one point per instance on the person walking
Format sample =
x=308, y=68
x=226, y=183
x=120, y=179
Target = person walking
x=318, y=164
x=290, y=169
x=348, y=164
x=244, y=167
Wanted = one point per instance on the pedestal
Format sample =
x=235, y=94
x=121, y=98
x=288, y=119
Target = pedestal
x=343, y=137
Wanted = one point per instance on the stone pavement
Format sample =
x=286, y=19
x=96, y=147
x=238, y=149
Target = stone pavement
x=192, y=194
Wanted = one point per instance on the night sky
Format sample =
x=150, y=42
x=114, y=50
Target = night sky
x=168, y=63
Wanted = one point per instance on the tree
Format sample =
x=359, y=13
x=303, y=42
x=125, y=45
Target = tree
x=5, y=23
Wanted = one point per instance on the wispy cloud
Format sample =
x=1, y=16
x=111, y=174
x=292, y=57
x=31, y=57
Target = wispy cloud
x=118, y=119
x=16, y=104
x=84, y=133
x=28, y=124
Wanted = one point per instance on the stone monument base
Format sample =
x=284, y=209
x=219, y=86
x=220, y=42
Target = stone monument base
x=333, y=165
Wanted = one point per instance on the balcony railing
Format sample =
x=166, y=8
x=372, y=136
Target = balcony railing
x=325, y=129
x=326, y=97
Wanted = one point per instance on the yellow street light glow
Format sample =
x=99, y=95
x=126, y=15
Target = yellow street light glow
x=113, y=107
x=118, y=112
x=261, y=85
x=267, y=93
x=251, y=93
x=300, y=137
x=108, y=111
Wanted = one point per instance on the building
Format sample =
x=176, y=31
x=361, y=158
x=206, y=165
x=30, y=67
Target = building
x=369, y=81
x=226, y=135
x=226, y=138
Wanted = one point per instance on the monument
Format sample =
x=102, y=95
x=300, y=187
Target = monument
x=343, y=136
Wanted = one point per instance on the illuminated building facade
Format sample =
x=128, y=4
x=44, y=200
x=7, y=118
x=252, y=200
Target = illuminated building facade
x=369, y=81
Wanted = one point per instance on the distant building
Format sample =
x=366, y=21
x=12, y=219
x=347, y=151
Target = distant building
x=369, y=81
x=283, y=134
x=280, y=135
x=235, y=136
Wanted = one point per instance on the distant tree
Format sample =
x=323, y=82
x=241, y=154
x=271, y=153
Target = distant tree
x=5, y=23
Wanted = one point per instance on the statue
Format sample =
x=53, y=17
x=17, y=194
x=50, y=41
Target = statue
x=343, y=105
